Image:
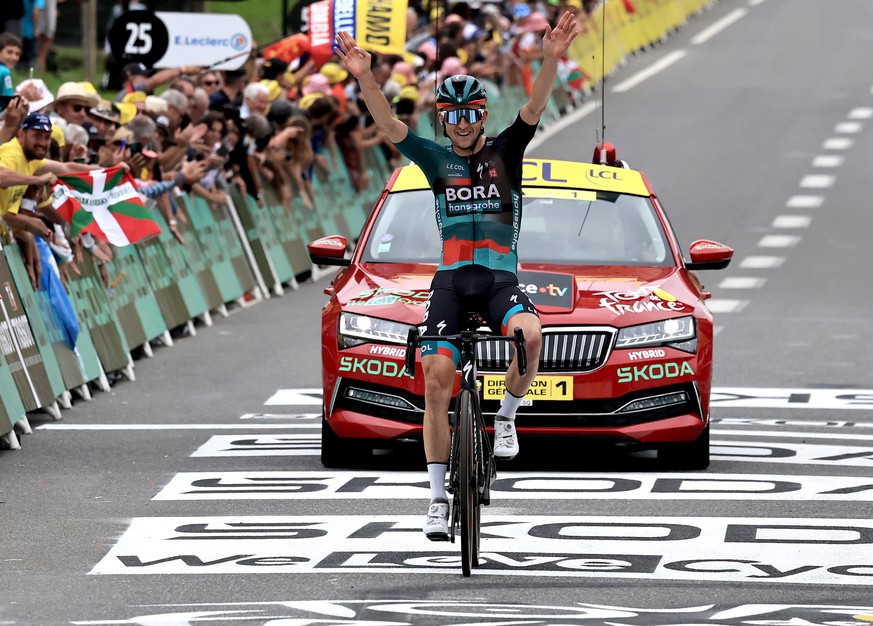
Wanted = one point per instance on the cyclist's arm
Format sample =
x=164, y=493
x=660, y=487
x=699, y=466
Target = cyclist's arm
x=534, y=108
x=380, y=109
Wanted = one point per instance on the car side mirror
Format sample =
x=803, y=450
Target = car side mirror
x=709, y=255
x=329, y=251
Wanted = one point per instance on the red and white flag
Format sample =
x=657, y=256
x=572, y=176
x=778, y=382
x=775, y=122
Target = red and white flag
x=104, y=203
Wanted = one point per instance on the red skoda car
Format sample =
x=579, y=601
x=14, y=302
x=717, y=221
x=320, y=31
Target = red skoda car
x=627, y=336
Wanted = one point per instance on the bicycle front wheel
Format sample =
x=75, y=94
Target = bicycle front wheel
x=469, y=484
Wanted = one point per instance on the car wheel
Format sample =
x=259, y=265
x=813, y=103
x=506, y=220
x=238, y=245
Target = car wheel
x=337, y=451
x=693, y=455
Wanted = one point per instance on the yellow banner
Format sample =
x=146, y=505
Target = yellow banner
x=381, y=25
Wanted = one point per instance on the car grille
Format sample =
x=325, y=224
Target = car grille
x=564, y=350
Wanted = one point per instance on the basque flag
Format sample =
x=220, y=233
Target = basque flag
x=104, y=203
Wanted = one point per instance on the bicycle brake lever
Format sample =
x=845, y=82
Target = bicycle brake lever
x=411, y=346
x=520, y=351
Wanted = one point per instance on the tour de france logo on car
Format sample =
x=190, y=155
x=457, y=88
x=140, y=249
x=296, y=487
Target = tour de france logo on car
x=642, y=300
x=547, y=289
x=382, y=297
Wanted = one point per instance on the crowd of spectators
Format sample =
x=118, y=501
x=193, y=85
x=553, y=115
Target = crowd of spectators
x=267, y=128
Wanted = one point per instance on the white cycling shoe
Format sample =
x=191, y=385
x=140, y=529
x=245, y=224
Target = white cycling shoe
x=436, y=527
x=505, y=439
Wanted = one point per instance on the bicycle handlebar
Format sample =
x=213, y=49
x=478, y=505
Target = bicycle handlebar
x=413, y=340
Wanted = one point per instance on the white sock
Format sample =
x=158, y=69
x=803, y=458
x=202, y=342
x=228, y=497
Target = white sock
x=508, y=407
x=436, y=472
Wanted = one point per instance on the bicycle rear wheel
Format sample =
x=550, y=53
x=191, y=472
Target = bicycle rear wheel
x=469, y=484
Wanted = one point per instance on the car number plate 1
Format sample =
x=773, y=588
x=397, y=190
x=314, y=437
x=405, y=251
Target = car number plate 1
x=542, y=388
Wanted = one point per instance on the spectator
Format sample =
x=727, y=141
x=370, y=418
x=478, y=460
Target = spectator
x=26, y=154
x=210, y=82
x=336, y=76
x=177, y=108
x=10, y=52
x=216, y=155
x=135, y=78
x=276, y=69
x=230, y=91
x=73, y=103
x=256, y=99
x=33, y=9
x=529, y=46
x=198, y=105
x=48, y=21
x=104, y=119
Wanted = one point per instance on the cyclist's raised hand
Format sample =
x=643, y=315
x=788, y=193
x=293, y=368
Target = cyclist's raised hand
x=557, y=40
x=356, y=60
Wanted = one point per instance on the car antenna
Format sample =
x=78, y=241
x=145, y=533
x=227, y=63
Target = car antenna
x=437, y=76
x=600, y=135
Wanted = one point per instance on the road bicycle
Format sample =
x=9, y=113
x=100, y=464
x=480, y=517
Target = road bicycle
x=471, y=469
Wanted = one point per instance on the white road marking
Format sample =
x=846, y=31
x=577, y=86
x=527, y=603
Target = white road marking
x=742, y=282
x=828, y=160
x=725, y=305
x=658, y=66
x=733, y=549
x=791, y=435
x=509, y=486
x=285, y=397
x=799, y=454
x=297, y=444
x=792, y=221
x=280, y=416
x=716, y=27
x=791, y=398
x=779, y=241
x=838, y=143
x=459, y=612
x=804, y=202
x=817, y=181
x=762, y=262
x=861, y=113
x=848, y=128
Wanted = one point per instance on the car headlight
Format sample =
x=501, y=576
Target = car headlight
x=357, y=329
x=680, y=333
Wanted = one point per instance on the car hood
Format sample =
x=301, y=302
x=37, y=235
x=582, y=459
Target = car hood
x=615, y=296
x=387, y=290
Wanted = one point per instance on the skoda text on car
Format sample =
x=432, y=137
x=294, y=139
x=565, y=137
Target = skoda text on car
x=627, y=337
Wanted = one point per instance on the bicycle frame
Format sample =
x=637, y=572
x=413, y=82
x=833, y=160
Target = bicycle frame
x=471, y=468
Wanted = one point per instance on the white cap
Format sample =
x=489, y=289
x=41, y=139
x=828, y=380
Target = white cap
x=45, y=96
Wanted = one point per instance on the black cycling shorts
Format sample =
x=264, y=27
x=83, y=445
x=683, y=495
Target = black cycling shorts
x=492, y=294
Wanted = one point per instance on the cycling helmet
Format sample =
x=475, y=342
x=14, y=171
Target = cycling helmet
x=460, y=89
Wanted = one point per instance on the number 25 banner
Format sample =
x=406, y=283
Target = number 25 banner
x=377, y=26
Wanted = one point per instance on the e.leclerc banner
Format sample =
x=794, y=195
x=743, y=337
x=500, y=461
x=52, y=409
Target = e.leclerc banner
x=377, y=25
x=168, y=39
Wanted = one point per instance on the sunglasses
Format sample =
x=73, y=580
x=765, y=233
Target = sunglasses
x=472, y=116
x=78, y=108
x=209, y=83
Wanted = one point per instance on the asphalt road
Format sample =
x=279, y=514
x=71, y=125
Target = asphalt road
x=195, y=493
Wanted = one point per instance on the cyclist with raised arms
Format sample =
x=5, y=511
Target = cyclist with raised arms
x=477, y=185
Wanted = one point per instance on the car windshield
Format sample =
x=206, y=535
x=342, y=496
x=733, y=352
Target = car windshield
x=559, y=226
